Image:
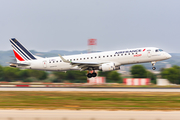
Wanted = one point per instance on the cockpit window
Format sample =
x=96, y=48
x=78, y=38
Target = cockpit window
x=160, y=50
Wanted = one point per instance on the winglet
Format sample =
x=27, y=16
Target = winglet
x=64, y=60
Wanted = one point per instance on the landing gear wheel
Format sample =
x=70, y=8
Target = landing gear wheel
x=153, y=64
x=89, y=75
x=153, y=68
x=94, y=74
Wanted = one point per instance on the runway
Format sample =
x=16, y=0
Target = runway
x=93, y=89
x=87, y=115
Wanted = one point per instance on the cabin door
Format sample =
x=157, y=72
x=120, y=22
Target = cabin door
x=149, y=53
x=45, y=63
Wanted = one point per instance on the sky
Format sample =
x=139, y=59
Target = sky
x=45, y=25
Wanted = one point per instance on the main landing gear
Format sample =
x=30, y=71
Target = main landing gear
x=153, y=64
x=89, y=75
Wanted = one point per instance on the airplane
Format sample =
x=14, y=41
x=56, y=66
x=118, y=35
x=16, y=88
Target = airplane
x=103, y=61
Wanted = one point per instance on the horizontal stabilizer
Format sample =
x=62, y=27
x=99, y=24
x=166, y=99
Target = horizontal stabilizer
x=18, y=64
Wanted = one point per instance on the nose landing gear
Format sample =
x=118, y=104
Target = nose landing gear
x=153, y=64
x=153, y=68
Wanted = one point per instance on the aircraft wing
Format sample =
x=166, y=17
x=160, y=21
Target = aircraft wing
x=82, y=65
x=85, y=65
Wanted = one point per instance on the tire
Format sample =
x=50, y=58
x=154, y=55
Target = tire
x=153, y=68
x=89, y=75
x=94, y=74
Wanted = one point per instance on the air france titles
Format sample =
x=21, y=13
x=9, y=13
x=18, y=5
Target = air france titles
x=129, y=51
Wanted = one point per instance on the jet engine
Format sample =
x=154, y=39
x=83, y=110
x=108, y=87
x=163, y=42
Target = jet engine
x=107, y=67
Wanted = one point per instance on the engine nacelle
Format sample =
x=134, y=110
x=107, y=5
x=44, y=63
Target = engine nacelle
x=107, y=67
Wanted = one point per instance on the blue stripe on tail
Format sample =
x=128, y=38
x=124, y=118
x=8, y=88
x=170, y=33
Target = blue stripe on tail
x=22, y=49
x=19, y=49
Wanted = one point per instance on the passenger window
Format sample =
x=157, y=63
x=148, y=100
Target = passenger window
x=87, y=58
x=129, y=53
x=80, y=58
x=77, y=58
x=95, y=57
x=103, y=56
x=107, y=55
x=91, y=57
x=121, y=54
x=84, y=58
x=110, y=55
x=114, y=55
x=99, y=56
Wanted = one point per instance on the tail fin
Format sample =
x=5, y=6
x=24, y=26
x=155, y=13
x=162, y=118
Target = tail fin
x=20, y=52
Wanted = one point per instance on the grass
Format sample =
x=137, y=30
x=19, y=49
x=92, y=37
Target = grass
x=90, y=100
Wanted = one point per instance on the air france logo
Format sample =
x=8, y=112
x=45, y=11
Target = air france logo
x=129, y=51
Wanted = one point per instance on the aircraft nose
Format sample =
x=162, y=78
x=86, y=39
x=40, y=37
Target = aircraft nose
x=168, y=55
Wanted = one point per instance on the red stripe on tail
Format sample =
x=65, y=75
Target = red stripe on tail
x=17, y=56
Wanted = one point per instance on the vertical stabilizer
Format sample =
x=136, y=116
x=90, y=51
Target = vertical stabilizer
x=20, y=52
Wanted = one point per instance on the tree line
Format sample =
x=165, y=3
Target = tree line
x=10, y=74
x=172, y=74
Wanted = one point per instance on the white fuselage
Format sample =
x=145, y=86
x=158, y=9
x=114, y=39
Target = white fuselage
x=119, y=57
